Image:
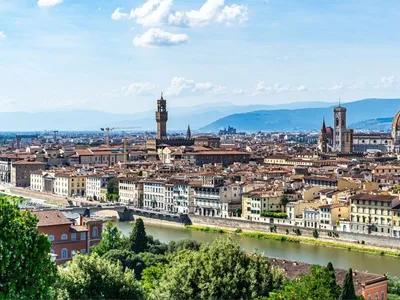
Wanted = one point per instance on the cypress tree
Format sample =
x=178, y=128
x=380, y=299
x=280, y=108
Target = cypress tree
x=138, y=237
x=331, y=276
x=348, y=292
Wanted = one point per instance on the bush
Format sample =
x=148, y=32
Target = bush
x=238, y=230
x=272, y=228
x=363, y=242
x=287, y=231
x=272, y=214
x=315, y=234
x=297, y=231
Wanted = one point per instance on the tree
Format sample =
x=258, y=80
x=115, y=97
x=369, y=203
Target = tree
x=94, y=277
x=151, y=276
x=308, y=286
x=394, y=285
x=185, y=244
x=133, y=261
x=331, y=280
x=112, y=186
x=220, y=270
x=26, y=271
x=348, y=292
x=284, y=200
x=138, y=238
x=239, y=212
x=111, y=239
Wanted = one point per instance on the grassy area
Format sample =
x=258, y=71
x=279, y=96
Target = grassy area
x=295, y=239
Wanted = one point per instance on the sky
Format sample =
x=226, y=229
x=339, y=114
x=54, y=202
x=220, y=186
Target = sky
x=119, y=55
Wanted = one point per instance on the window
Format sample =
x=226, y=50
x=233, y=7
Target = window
x=64, y=236
x=95, y=232
x=383, y=295
x=73, y=236
x=64, y=253
x=51, y=238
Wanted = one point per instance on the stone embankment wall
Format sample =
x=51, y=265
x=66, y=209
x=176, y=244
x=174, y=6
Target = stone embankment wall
x=387, y=242
x=57, y=200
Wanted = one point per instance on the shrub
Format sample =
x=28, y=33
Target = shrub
x=297, y=231
x=272, y=228
x=238, y=230
x=315, y=234
x=287, y=231
x=272, y=214
x=363, y=242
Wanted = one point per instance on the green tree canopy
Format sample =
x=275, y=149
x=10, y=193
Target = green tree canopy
x=220, y=270
x=94, y=277
x=26, y=271
x=348, y=292
x=312, y=286
x=111, y=239
x=112, y=186
x=138, y=238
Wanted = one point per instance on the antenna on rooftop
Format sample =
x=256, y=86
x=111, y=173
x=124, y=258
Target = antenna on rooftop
x=339, y=101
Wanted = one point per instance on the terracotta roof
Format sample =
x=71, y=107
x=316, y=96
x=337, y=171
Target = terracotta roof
x=294, y=269
x=78, y=228
x=24, y=162
x=51, y=218
x=383, y=198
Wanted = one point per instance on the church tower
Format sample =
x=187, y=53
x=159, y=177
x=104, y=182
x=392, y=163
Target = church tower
x=161, y=118
x=188, y=133
x=323, y=139
x=339, y=128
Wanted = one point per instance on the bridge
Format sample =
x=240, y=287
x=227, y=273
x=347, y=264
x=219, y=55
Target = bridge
x=128, y=213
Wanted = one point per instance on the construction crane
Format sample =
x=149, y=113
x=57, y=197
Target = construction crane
x=107, y=130
x=54, y=134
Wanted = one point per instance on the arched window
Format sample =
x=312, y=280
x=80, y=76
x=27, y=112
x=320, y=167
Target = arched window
x=337, y=122
x=64, y=236
x=95, y=232
x=51, y=238
x=64, y=253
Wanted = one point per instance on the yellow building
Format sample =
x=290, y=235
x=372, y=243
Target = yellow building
x=372, y=214
x=396, y=221
x=258, y=201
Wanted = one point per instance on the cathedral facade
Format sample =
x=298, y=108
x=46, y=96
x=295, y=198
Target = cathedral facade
x=344, y=140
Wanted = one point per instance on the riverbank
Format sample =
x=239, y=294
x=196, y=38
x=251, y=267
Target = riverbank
x=159, y=222
x=297, y=239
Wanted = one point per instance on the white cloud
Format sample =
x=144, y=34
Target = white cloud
x=387, y=82
x=118, y=15
x=159, y=12
x=233, y=14
x=152, y=13
x=282, y=58
x=48, y=3
x=238, y=92
x=156, y=37
x=278, y=88
x=2, y=35
x=139, y=89
x=182, y=86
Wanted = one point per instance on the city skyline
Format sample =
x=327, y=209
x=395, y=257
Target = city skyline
x=58, y=54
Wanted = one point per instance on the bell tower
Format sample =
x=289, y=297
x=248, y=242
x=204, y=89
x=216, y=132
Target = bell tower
x=161, y=118
x=339, y=128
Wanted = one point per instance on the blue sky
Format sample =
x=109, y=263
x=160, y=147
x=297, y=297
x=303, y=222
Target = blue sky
x=119, y=55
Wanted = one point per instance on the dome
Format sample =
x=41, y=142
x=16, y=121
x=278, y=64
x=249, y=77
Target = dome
x=396, y=125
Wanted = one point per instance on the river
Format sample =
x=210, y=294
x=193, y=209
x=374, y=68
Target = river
x=340, y=258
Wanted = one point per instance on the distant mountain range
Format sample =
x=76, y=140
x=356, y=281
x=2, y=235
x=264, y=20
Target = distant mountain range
x=367, y=114
x=179, y=117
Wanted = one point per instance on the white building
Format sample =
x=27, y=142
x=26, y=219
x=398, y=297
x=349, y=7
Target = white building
x=215, y=199
x=154, y=194
x=94, y=184
x=311, y=217
x=131, y=191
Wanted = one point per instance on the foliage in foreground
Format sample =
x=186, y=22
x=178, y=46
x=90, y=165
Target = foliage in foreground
x=319, y=283
x=26, y=271
x=93, y=277
x=220, y=270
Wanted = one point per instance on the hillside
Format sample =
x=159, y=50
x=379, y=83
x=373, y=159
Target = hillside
x=309, y=118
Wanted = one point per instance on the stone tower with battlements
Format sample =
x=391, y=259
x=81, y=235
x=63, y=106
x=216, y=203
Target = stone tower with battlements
x=161, y=118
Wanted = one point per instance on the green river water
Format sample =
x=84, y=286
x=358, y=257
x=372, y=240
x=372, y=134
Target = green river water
x=340, y=258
